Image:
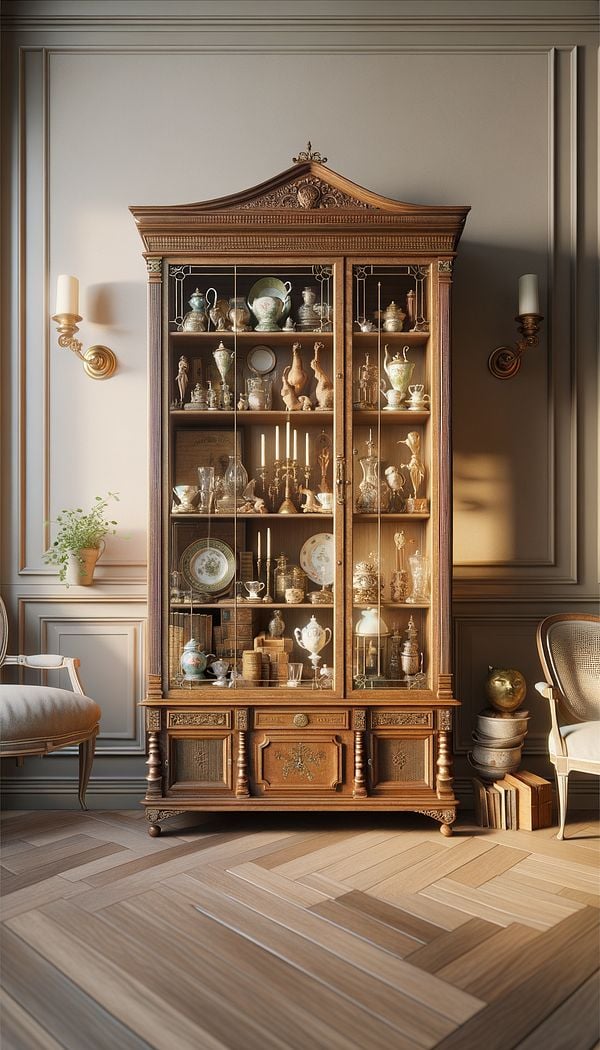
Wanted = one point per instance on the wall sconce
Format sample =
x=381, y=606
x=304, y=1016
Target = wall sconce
x=505, y=361
x=98, y=361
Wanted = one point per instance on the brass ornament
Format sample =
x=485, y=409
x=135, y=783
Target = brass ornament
x=309, y=154
x=300, y=721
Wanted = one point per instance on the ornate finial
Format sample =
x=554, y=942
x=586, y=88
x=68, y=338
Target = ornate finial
x=308, y=154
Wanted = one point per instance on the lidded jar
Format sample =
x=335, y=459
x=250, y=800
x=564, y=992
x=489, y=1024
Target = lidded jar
x=279, y=577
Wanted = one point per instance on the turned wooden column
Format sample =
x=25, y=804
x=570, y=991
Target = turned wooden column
x=359, y=787
x=242, y=784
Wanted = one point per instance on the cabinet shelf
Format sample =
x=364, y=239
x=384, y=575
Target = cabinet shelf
x=401, y=415
x=251, y=517
x=391, y=338
x=246, y=418
x=253, y=337
x=386, y=516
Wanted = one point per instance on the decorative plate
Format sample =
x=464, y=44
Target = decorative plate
x=316, y=558
x=261, y=359
x=209, y=565
x=271, y=286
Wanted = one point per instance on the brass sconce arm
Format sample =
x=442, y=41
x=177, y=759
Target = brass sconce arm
x=505, y=361
x=99, y=362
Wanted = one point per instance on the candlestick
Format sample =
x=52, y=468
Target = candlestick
x=306, y=452
x=268, y=544
x=529, y=294
x=267, y=597
x=259, y=544
x=276, y=443
x=295, y=455
x=263, y=459
x=287, y=440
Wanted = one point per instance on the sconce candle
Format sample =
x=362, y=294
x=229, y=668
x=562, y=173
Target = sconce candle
x=67, y=295
x=99, y=362
x=529, y=299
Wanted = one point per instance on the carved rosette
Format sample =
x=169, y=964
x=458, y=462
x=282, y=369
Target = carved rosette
x=307, y=193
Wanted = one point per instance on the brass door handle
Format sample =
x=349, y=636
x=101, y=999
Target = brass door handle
x=340, y=478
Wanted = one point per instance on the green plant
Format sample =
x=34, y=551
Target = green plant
x=78, y=530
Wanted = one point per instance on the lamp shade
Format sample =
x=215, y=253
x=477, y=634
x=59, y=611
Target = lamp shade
x=371, y=625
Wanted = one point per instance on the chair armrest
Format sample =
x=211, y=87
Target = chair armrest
x=550, y=693
x=50, y=662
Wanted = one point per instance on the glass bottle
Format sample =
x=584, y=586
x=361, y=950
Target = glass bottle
x=279, y=577
x=234, y=482
x=276, y=626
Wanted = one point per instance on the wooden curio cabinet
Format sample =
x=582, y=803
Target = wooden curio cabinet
x=300, y=504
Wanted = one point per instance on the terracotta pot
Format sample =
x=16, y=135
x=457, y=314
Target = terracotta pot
x=81, y=565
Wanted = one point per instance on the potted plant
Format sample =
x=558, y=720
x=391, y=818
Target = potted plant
x=80, y=541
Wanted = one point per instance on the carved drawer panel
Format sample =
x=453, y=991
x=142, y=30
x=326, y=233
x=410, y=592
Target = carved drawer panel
x=301, y=718
x=397, y=762
x=287, y=762
x=200, y=763
x=401, y=719
x=217, y=719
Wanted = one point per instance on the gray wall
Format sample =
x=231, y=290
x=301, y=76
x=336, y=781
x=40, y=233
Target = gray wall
x=491, y=104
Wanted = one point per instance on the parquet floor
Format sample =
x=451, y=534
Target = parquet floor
x=296, y=933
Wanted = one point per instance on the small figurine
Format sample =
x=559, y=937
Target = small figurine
x=312, y=506
x=242, y=403
x=306, y=403
x=415, y=466
x=183, y=378
x=288, y=392
x=212, y=397
x=395, y=480
x=297, y=377
x=324, y=388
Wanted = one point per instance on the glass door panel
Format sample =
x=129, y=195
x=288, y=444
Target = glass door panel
x=251, y=520
x=392, y=472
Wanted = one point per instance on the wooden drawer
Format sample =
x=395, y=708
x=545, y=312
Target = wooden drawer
x=216, y=718
x=401, y=718
x=301, y=718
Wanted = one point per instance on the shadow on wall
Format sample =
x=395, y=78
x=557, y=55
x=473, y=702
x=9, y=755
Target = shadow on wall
x=501, y=428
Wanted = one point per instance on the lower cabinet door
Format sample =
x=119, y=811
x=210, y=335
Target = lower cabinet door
x=200, y=764
x=284, y=763
x=400, y=762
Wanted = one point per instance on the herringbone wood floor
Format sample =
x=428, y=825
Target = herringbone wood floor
x=296, y=933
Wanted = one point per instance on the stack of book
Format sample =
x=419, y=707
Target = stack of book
x=520, y=800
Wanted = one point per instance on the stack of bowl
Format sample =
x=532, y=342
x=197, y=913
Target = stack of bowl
x=501, y=728
x=498, y=743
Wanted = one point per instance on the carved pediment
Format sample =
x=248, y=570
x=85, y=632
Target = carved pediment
x=306, y=193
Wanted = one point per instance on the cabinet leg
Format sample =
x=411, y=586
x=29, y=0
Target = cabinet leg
x=444, y=767
x=359, y=789
x=242, y=789
x=154, y=778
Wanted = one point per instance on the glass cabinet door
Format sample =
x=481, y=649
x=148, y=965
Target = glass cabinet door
x=389, y=559
x=251, y=523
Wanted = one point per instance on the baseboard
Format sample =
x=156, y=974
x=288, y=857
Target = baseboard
x=127, y=793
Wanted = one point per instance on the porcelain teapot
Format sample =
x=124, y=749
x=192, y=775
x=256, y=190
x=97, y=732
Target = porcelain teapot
x=393, y=318
x=313, y=637
x=196, y=320
x=398, y=370
x=193, y=661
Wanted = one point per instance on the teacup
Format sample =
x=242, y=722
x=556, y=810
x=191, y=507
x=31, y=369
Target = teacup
x=418, y=398
x=294, y=595
x=394, y=398
x=254, y=587
x=326, y=501
x=268, y=310
x=220, y=668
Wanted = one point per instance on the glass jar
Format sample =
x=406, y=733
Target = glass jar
x=279, y=583
x=295, y=584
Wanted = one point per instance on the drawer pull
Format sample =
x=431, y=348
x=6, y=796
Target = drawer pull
x=300, y=721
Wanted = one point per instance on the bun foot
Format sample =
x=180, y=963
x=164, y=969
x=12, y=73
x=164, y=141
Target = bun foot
x=446, y=830
x=154, y=831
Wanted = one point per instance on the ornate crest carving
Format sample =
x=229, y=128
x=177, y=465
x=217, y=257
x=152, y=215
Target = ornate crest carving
x=309, y=154
x=307, y=192
x=198, y=718
x=379, y=719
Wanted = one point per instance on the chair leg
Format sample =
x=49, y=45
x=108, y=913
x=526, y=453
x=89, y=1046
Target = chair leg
x=86, y=761
x=562, y=783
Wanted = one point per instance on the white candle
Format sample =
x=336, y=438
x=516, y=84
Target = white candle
x=262, y=450
x=259, y=546
x=276, y=442
x=67, y=294
x=306, y=452
x=295, y=456
x=268, y=543
x=529, y=302
x=287, y=440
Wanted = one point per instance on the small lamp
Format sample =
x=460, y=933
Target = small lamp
x=98, y=361
x=505, y=361
x=370, y=649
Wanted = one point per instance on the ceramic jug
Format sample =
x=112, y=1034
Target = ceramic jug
x=313, y=637
x=193, y=661
x=398, y=370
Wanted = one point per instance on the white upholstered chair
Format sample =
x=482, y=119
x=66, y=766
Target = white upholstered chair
x=35, y=720
x=569, y=650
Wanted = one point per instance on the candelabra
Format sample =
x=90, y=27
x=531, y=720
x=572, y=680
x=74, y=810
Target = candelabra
x=273, y=489
x=265, y=491
x=287, y=472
